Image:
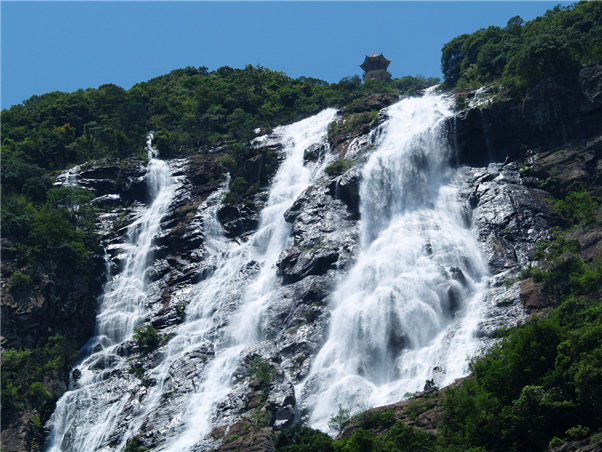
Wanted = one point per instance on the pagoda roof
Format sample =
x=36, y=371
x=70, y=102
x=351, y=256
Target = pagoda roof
x=374, y=57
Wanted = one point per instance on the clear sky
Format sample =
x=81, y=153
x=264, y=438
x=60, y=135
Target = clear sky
x=63, y=46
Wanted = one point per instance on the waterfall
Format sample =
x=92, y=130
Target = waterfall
x=407, y=310
x=226, y=310
x=194, y=370
x=404, y=313
x=92, y=407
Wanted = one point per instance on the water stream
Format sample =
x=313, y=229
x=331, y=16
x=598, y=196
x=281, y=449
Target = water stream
x=223, y=315
x=81, y=422
x=407, y=311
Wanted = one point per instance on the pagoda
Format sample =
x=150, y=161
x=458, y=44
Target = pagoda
x=375, y=67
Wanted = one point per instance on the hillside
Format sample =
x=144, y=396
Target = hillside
x=524, y=160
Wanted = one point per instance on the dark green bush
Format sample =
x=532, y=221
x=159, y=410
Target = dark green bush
x=338, y=422
x=261, y=369
x=303, y=439
x=147, y=338
x=519, y=55
x=375, y=419
x=337, y=168
x=24, y=372
x=578, y=208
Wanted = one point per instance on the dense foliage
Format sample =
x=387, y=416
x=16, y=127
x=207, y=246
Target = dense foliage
x=520, y=54
x=399, y=438
x=188, y=109
x=24, y=374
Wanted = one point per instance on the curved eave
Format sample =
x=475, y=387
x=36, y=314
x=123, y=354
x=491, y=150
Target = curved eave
x=368, y=59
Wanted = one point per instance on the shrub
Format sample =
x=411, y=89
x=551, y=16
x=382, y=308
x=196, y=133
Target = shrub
x=337, y=168
x=578, y=208
x=261, y=369
x=20, y=281
x=375, y=419
x=303, y=439
x=134, y=446
x=338, y=422
x=147, y=338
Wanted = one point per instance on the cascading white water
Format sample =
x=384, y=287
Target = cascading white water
x=223, y=315
x=236, y=300
x=408, y=309
x=86, y=415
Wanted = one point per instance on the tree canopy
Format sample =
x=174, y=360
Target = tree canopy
x=520, y=54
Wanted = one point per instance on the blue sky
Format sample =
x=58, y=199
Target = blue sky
x=64, y=46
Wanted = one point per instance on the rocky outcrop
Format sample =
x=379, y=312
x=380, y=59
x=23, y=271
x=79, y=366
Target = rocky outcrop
x=357, y=121
x=593, y=444
x=112, y=180
x=372, y=102
x=421, y=411
x=239, y=212
x=557, y=110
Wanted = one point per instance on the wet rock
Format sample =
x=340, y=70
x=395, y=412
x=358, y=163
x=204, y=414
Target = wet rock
x=346, y=187
x=373, y=102
x=204, y=172
x=16, y=433
x=563, y=168
x=509, y=217
x=124, y=178
x=298, y=263
x=238, y=219
x=557, y=110
x=315, y=152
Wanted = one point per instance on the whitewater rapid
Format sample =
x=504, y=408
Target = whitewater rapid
x=408, y=309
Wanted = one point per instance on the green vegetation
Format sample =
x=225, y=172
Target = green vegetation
x=337, y=168
x=25, y=378
x=147, y=338
x=303, y=439
x=579, y=208
x=519, y=55
x=413, y=86
x=351, y=122
x=373, y=420
x=261, y=369
x=399, y=438
x=341, y=420
x=60, y=229
x=134, y=446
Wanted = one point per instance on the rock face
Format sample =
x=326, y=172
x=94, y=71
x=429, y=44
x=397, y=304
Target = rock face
x=557, y=110
x=53, y=305
x=511, y=156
